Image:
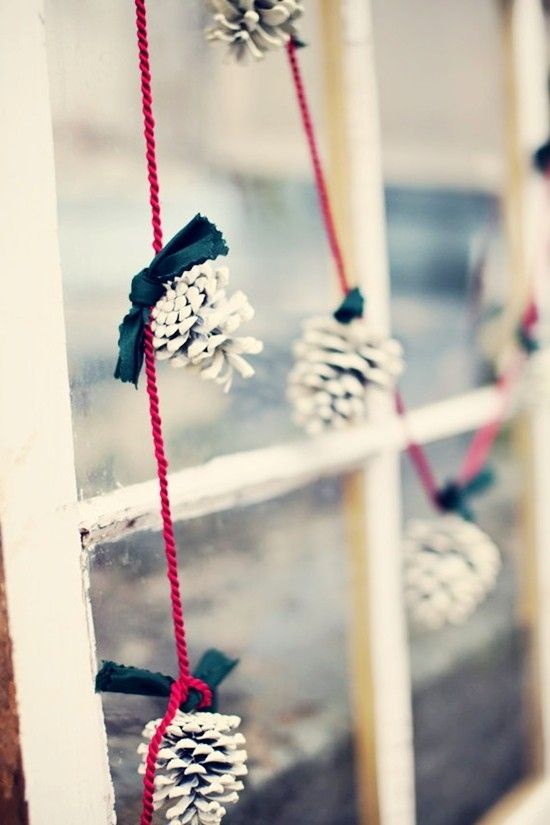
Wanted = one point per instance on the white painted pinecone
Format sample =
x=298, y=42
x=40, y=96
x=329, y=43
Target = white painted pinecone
x=199, y=767
x=535, y=386
x=334, y=365
x=449, y=568
x=194, y=325
x=254, y=27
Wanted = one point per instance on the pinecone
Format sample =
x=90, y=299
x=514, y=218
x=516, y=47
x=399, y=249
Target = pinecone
x=334, y=365
x=194, y=325
x=199, y=767
x=450, y=566
x=254, y=26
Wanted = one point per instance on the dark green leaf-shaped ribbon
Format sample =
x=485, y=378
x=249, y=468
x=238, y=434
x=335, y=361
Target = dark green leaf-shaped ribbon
x=351, y=307
x=212, y=668
x=541, y=158
x=196, y=243
x=527, y=341
x=454, y=497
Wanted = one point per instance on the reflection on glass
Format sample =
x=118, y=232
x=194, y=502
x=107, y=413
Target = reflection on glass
x=440, y=245
x=267, y=584
x=472, y=684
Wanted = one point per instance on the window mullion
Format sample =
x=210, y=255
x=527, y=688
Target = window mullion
x=383, y=688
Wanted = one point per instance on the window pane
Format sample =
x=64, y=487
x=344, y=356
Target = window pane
x=230, y=145
x=442, y=141
x=267, y=584
x=473, y=690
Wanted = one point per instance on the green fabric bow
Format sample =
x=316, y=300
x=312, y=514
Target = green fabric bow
x=351, y=307
x=527, y=342
x=196, y=243
x=213, y=667
x=454, y=497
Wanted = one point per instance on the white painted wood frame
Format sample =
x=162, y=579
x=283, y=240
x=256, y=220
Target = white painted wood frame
x=62, y=733
x=390, y=686
x=530, y=74
x=66, y=774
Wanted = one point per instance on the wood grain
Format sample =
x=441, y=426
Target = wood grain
x=13, y=808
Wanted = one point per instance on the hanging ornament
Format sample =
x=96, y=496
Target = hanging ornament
x=193, y=320
x=201, y=760
x=337, y=359
x=199, y=767
x=254, y=27
x=194, y=325
x=449, y=568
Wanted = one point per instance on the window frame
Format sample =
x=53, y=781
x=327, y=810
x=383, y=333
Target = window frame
x=37, y=460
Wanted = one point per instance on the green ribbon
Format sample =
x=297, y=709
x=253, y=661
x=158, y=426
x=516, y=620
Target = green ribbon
x=527, y=343
x=541, y=158
x=212, y=668
x=196, y=243
x=454, y=497
x=351, y=307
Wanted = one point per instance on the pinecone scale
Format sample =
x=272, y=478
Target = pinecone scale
x=334, y=365
x=254, y=27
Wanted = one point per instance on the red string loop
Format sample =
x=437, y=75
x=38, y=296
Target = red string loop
x=203, y=689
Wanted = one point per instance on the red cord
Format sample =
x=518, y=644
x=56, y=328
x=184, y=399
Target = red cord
x=320, y=182
x=148, y=122
x=185, y=681
x=482, y=441
x=417, y=455
x=176, y=698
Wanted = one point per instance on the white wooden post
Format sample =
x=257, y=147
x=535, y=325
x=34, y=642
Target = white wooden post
x=530, y=127
x=62, y=732
x=388, y=647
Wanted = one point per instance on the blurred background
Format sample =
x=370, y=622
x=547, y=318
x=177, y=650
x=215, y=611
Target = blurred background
x=260, y=579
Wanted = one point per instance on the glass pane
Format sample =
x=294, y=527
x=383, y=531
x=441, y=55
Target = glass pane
x=267, y=584
x=230, y=145
x=473, y=693
x=442, y=139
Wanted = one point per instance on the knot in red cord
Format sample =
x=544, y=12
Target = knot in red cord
x=201, y=687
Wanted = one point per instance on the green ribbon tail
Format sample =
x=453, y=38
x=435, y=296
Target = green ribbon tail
x=114, y=678
x=480, y=482
x=131, y=345
x=527, y=343
x=212, y=668
x=353, y=306
x=454, y=498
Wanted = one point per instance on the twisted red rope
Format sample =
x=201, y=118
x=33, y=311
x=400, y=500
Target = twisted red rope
x=320, y=180
x=185, y=681
x=148, y=122
x=417, y=455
